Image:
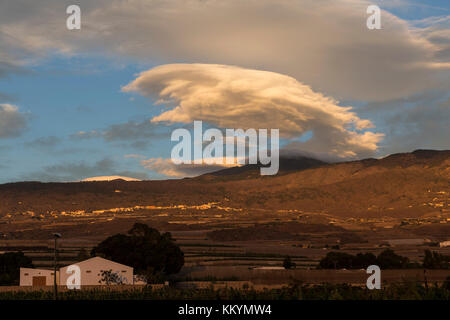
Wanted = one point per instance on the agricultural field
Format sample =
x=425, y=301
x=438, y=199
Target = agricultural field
x=234, y=245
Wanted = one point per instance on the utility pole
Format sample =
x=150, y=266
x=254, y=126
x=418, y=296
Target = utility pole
x=55, y=262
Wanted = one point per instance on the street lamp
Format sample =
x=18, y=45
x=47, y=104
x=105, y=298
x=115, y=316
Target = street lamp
x=55, y=292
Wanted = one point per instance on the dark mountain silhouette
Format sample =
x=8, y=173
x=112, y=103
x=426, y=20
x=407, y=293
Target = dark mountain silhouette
x=286, y=165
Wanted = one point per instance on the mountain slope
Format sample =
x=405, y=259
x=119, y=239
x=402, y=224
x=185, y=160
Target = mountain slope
x=286, y=165
x=400, y=185
x=403, y=184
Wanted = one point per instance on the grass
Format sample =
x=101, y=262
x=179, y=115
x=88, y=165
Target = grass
x=295, y=291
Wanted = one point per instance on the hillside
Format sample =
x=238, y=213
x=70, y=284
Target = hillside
x=408, y=184
x=286, y=165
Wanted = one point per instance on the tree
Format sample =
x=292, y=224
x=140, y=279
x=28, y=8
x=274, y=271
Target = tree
x=446, y=284
x=145, y=249
x=109, y=277
x=435, y=260
x=385, y=260
x=388, y=259
x=287, y=263
x=363, y=260
x=83, y=254
x=337, y=260
x=10, y=264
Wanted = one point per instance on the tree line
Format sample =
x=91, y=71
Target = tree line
x=387, y=259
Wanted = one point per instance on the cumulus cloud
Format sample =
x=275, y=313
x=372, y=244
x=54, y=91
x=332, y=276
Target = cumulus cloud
x=233, y=97
x=322, y=43
x=168, y=168
x=12, y=121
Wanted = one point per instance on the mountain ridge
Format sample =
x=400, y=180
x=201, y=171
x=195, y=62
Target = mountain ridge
x=403, y=184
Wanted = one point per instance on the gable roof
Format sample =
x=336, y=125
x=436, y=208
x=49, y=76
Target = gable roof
x=100, y=259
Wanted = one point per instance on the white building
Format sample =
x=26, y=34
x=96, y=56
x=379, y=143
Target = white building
x=37, y=277
x=90, y=273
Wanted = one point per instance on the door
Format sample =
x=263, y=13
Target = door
x=39, y=281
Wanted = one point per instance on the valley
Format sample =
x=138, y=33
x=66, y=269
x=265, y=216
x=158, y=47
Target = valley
x=235, y=225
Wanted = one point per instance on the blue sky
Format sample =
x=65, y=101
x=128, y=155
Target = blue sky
x=63, y=85
x=415, y=10
x=64, y=97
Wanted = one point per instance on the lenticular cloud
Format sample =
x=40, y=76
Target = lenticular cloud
x=234, y=97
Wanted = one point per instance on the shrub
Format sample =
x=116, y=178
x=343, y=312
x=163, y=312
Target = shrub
x=287, y=263
x=10, y=264
x=435, y=260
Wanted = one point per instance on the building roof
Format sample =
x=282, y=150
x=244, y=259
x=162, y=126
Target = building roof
x=40, y=269
x=99, y=259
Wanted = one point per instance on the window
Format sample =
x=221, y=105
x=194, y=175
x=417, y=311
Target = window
x=25, y=274
x=88, y=271
x=124, y=271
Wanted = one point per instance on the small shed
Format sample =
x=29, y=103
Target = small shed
x=37, y=277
